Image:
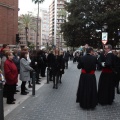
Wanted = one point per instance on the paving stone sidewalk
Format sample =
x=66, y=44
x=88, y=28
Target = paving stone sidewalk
x=60, y=104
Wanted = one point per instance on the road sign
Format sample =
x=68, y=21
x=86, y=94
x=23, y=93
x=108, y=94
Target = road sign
x=104, y=37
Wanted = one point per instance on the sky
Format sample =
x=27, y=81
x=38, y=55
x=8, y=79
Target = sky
x=28, y=5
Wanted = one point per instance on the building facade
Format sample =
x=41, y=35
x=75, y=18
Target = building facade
x=44, y=14
x=8, y=21
x=56, y=19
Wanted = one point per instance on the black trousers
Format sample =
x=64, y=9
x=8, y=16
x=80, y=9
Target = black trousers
x=23, y=86
x=10, y=92
x=43, y=68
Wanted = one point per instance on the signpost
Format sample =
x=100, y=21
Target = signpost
x=104, y=37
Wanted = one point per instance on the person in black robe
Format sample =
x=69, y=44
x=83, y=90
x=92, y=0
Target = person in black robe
x=87, y=88
x=106, y=86
x=117, y=71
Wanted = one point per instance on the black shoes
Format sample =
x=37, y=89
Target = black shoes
x=38, y=83
x=30, y=86
x=17, y=91
x=24, y=93
x=55, y=87
x=11, y=102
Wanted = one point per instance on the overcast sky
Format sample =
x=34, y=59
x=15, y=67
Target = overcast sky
x=28, y=5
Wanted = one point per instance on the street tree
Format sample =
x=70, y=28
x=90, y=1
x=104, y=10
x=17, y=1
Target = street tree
x=37, y=2
x=86, y=17
x=25, y=21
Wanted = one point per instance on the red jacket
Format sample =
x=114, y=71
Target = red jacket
x=10, y=72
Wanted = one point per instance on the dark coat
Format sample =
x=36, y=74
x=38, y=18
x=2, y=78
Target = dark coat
x=34, y=63
x=16, y=60
x=62, y=64
x=106, y=86
x=10, y=72
x=87, y=88
x=66, y=56
x=87, y=62
x=50, y=60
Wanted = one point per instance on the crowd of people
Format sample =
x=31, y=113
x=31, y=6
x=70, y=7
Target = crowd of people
x=18, y=64
x=88, y=95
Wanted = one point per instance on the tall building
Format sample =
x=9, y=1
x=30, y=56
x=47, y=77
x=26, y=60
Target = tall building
x=44, y=14
x=31, y=33
x=8, y=21
x=56, y=19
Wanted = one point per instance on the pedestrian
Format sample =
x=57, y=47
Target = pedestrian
x=24, y=71
x=66, y=58
x=2, y=68
x=43, y=64
x=16, y=60
x=56, y=69
x=50, y=64
x=34, y=65
x=29, y=61
x=106, y=86
x=87, y=88
x=117, y=71
x=62, y=65
x=11, y=77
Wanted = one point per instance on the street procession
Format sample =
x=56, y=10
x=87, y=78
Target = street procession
x=59, y=60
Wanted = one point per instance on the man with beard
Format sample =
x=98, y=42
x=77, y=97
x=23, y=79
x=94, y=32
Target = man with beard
x=106, y=86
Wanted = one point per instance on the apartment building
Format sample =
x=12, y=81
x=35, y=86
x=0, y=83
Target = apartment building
x=8, y=21
x=44, y=14
x=31, y=33
x=56, y=20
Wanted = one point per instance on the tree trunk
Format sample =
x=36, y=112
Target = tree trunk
x=26, y=32
x=37, y=29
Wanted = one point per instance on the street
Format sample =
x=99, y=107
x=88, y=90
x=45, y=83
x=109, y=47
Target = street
x=60, y=104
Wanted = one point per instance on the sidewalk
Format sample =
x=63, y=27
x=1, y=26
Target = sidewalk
x=21, y=98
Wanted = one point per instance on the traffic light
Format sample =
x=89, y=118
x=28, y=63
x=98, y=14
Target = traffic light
x=17, y=38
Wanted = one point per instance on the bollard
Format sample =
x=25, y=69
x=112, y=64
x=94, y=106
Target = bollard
x=33, y=81
x=1, y=102
x=48, y=75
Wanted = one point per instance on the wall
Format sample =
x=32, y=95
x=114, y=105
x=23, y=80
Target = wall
x=8, y=21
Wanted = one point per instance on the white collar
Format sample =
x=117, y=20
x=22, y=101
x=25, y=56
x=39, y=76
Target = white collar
x=110, y=52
